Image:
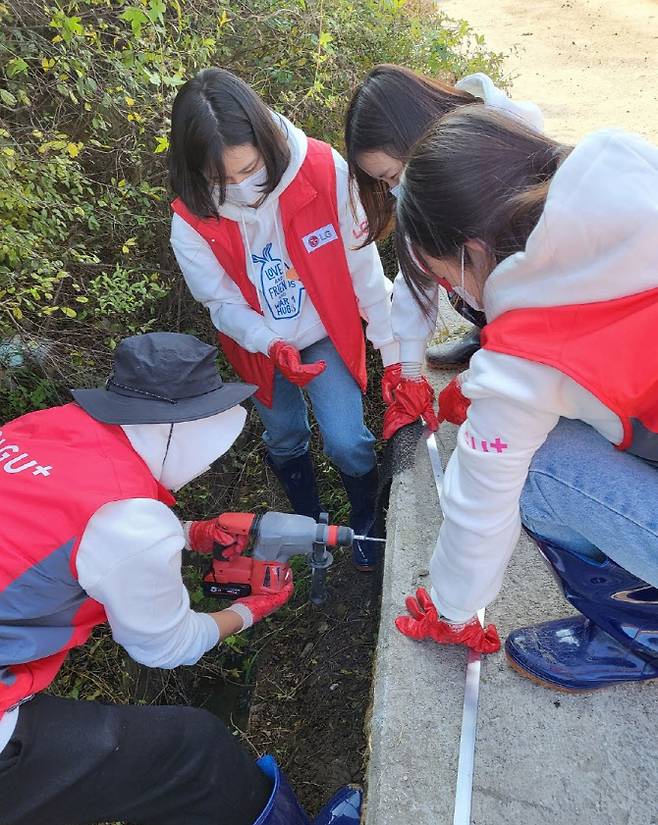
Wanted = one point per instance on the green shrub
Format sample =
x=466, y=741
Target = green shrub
x=85, y=92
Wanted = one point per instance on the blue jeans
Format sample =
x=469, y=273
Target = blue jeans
x=338, y=407
x=588, y=497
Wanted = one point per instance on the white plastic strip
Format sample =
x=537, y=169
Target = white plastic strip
x=435, y=461
x=466, y=764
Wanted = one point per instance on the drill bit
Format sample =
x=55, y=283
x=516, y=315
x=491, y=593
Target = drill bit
x=368, y=538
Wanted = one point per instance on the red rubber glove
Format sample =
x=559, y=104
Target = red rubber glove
x=390, y=380
x=424, y=623
x=289, y=363
x=202, y=536
x=254, y=608
x=414, y=398
x=453, y=405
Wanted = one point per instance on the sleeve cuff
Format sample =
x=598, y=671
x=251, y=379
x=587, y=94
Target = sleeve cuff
x=263, y=339
x=412, y=350
x=390, y=353
x=186, y=533
x=452, y=614
x=244, y=613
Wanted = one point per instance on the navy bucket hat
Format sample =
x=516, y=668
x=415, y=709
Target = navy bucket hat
x=162, y=378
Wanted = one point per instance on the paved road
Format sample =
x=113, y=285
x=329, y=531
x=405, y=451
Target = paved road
x=587, y=63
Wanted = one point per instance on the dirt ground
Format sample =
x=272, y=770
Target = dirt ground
x=587, y=63
x=308, y=708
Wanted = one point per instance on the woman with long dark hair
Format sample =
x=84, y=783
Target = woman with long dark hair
x=558, y=244
x=267, y=240
x=389, y=111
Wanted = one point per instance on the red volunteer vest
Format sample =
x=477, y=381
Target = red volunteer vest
x=608, y=347
x=57, y=468
x=309, y=214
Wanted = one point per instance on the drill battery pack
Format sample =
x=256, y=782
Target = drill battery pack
x=243, y=576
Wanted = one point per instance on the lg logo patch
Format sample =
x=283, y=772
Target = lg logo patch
x=315, y=240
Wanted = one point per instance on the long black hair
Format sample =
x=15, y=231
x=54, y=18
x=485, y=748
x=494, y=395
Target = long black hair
x=389, y=111
x=213, y=111
x=477, y=174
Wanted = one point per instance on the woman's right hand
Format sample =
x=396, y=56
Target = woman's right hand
x=288, y=361
x=414, y=399
x=424, y=622
x=453, y=404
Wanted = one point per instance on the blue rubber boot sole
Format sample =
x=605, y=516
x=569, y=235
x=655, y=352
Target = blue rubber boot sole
x=574, y=655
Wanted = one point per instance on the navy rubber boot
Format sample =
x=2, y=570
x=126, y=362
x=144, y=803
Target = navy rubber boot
x=297, y=477
x=362, y=493
x=614, y=640
x=283, y=808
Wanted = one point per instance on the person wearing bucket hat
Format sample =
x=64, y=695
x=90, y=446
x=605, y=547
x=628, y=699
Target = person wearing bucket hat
x=88, y=537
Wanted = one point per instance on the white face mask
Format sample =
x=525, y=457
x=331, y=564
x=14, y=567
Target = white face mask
x=395, y=191
x=464, y=294
x=177, y=455
x=249, y=190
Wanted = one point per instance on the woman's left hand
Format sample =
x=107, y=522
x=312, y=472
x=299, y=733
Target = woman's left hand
x=414, y=399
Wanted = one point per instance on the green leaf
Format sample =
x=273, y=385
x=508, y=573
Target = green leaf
x=16, y=66
x=70, y=313
x=7, y=98
x=156, y=11
x=136, y=18
x=162, y=144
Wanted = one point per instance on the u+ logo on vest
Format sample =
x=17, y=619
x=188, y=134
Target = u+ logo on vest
x=18, y=462
x=283, y=297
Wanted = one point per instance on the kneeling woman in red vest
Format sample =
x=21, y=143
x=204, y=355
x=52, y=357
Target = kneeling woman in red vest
x=559, y=245
x=265, y=235
x=87, y=537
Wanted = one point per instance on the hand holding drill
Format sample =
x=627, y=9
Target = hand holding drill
x=206, y=536
x=274, y=538
x=263, y=587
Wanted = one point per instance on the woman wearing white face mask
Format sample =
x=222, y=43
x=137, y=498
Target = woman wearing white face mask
x=561, y=435
x=265, y=235
x=390, y=110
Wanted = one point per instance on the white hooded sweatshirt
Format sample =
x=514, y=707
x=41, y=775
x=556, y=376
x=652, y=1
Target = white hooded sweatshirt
x=596, y=240
x=129, y=558
x=412, y=328
x=266, y=256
